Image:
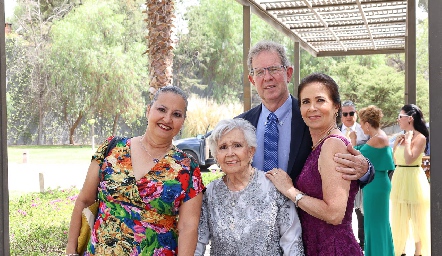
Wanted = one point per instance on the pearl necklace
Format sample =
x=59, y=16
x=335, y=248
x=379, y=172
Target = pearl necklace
x=154, y=159
x=324, y=137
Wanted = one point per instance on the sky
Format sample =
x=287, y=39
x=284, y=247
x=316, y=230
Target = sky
x=9, y=8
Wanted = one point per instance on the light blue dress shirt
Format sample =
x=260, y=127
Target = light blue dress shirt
x=284, y=114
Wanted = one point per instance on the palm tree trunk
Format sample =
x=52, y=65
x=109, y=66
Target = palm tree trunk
x=160, y=15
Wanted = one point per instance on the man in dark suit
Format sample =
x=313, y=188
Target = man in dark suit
x=270, y=72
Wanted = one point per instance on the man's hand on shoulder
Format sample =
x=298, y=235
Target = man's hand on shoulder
x=354, y=164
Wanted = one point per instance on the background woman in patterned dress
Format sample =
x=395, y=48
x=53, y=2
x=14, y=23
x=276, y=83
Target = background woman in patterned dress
x=143, y=185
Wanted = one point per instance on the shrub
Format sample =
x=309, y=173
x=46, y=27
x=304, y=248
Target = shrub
x=39, y=222
x=211, y=176
x=204, y=113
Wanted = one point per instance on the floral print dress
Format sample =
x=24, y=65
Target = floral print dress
x=140, y=217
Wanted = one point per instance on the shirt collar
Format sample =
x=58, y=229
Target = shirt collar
x=282, y=112
x=353, y=127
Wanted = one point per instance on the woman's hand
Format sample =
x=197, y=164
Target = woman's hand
x=408, y=136
x=281, y=180
x=353, y=137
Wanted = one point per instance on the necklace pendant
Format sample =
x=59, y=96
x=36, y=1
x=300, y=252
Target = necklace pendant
x=156, y=160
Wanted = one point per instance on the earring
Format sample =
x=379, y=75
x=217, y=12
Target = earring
x=337, y=114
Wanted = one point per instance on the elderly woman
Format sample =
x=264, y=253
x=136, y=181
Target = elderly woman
x=142, y=186
x=243, y=213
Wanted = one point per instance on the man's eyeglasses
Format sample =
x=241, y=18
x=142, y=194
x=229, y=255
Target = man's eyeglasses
x=400, y=116
x=273, y=70
x=351, y=113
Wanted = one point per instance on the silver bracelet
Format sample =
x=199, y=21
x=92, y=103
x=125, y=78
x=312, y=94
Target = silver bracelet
x=72, y=254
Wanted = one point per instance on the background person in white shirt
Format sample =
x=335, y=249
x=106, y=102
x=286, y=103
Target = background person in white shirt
x=351, y=128
x=349, y=124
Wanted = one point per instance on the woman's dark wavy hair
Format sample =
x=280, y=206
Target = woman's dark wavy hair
x=419, y=123
x=329, y=83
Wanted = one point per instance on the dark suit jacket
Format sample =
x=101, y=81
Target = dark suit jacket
x=300, y=143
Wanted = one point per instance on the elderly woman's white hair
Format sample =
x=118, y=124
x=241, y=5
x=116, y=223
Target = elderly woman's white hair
x=227, y=125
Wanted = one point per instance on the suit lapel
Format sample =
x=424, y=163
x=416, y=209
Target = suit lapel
x=298, y=128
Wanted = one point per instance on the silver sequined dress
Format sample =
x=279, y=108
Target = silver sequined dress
x=257, y=220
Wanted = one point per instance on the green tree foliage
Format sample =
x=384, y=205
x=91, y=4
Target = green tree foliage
x=422, y=68
x=378, y=85
x=211, y=53
x=34, y=20
x=208, y=59
x=423, y=4
x=96, y=63
x=22, y=116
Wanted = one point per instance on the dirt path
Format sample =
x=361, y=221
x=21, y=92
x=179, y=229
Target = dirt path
x=26, y=177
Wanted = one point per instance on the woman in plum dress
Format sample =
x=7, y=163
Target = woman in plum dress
x=324, y=198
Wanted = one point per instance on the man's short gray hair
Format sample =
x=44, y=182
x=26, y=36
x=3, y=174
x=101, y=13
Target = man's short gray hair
x=227, y=125
x=348, y=103
x=270, y=47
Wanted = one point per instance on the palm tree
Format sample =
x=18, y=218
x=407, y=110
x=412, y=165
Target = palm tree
x=160, y=15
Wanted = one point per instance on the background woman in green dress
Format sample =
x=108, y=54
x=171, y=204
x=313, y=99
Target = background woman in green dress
x=376, y=194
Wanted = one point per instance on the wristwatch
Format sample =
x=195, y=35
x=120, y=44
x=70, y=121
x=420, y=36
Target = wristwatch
x=298, y=197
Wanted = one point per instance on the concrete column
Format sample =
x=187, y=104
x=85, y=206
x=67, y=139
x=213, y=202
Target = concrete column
x=435, y=68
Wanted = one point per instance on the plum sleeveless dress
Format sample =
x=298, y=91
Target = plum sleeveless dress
x=321, y=238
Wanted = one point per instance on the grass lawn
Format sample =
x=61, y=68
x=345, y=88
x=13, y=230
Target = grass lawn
x=66, y=154
x=39, y=221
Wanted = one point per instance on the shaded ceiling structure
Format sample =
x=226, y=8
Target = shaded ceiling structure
x=339, y=27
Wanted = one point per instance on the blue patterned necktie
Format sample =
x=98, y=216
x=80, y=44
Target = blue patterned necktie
x=271, y=136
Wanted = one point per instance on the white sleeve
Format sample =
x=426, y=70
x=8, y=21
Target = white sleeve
x=203, y=228
x=290, y=230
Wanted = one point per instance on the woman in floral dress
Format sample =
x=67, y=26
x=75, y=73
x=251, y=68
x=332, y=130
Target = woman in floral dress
x=144, y=184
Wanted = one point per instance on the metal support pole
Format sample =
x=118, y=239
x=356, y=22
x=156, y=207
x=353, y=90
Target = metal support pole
x=4, y=195
x=410, y=54
x=246, y=48
x=296, y=68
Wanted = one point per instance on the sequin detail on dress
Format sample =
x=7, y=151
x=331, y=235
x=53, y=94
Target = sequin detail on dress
x=260, y=222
